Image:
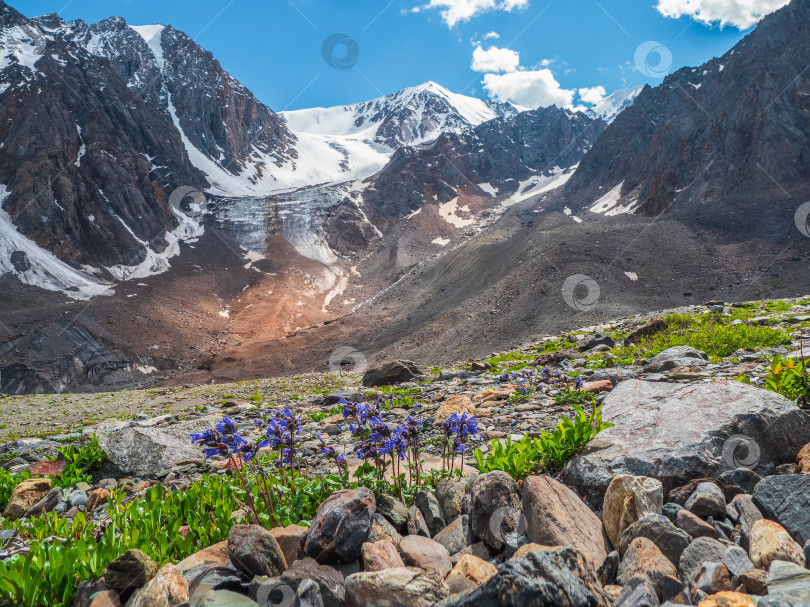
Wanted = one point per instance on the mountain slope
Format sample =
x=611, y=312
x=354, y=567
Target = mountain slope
x=736, y=126
x=614, y=104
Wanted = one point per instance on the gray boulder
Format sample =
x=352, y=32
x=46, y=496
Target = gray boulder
x=786, y=499
x=390, y=373
x=676, y=432
x=678, y=356
x=144, y=452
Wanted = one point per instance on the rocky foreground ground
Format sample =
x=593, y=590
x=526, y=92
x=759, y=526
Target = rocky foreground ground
x=698, y=495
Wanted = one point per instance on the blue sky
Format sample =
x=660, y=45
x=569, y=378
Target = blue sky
x=545, y=51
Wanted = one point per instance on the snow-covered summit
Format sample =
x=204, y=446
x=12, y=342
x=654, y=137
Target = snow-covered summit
x=614, y=104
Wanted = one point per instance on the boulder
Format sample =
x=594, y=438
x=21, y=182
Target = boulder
x=786, y=499
x=675, y=432
x=456, y=536
x=400, y=587
x=380, y=555
x=393, y=510
x=703, y=549
x=788, y=579
x=381, y=529
x=458, y=403
x=394, y=372
x=429, y=507
x=144, y=452
x=416, y=522
x=25, y=495
x=707, y=500
x=660, y=530
x=131, y=570
x=291, y=540
x=423, y=552
x=474, y=569
x=341, y=525
x=646, y=330
x=254, y=551
x=771, y=542
x=495, y=507
x=627, y=499
x=677, y=356
x=167, y=589
x=329, y=580
x=561, y=577
x=644, y=558
x=556, y=516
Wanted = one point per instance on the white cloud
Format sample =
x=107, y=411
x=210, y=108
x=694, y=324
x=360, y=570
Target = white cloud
x=742, y=14
x=492, y=36
x=592, y=95
x=453, y=11
x=495, y=59
x=529, y=88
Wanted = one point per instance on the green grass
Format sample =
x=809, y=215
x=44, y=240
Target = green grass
x=519, y=358
x=555, y=346
x=710, y=333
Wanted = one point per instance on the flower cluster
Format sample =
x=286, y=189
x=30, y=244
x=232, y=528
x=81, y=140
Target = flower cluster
x=328, y=451
x=223, y=439
x=283, y=435
x=458, y=429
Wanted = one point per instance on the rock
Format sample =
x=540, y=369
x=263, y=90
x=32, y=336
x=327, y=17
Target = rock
x=393, y=510
x=755, y=582
x=555, y=516
x=670, y=510
x=291, y=540
x=401, y=587
x=495, y=500
x=474, y=569
x=712, y=578
x=512, y=542
x=451, y=495
x=736, y=561
x=85, y=591
x=458, y=403
x=25, y=495
x=703, y=549
x=707, y=500
x=561, y=577
x=638, y=592
x=675, y=432
x=167, y=589
x=728, y=599
x=423, y=552
x=96, y=498
x=743, y=510
x=681, y=495
x=107, y=598
x=429, y=507
x=744, y=478
x=592, y=341
x=46, y=504
x=527, y=548
x=224, y=598
x=144, y=452
x=456, y=536
x=693, y=525
x=309, y=595
x=803, y=460
x=771, y=542
x=380, y=555
x=807, y=553
x=254, y=551
x=390, y=373
x=381, y=529
x=340, y=527
x=597, y=387
x=786, y=499
x=77, y=498
x=478, y=549
x=215, y=555
x=329, y=580
x=610, y=568
x=416, y=522
x=678, y=356
x=457, y=584
x=789, y=579
x=627, y=499
x=655, y=527
x=646, y=330
x=644, y=558
x=131, y=570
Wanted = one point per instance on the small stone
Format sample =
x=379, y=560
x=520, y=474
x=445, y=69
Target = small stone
x=474, y=569
x=451, y=495
x=694, y=525
x=416, y=523
x=458, y=404
x=597, y=387
x=456, y=536
x=657, y=528
x=167, y=589
x=381, y=529
x=381, y=555
x=429, y=507
x=743, y=510
x=329, y=580
x=393, y=510
x=701, y=550
x=341, y=525
x=670, y=510
x=25, y=495
x=309, y=594
x=627, y=499
x=610, y=568
x=707, y=500
x=736, y=561
x=77, y=498
x=423, y=552
x=771, y=542
x=291, y=540
x=727, y=599
x=644, y=558
x=131, y=570
x=254, y=551
x=400, y=587
x=755, y=582
x=712, y=578
x=638, y=591
x=744, y=478
x=96, y=498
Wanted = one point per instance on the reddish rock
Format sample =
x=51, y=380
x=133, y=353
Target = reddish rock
x=474, y=569
x=47, y=468
x=341, y=525
x=771, y=542
x=423, y=552
x=96, y=498
x=728, y=599
x=291, y=539
x=167, y=589
x=803, y=459
x=215, y=555
x=381, y=555
x=651, y=328
x=644, y=558
x=107, y=598
x=694, y=525
x=253, y=550
x=25, y=495
x=527, y=548
x=458, y=403
x=595, y=387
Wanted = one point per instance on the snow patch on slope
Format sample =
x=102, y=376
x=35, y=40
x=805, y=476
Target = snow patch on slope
x=609, y=204
x=153, y=35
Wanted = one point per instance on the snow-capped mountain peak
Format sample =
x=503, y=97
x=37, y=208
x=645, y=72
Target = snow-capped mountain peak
x=614, y=104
